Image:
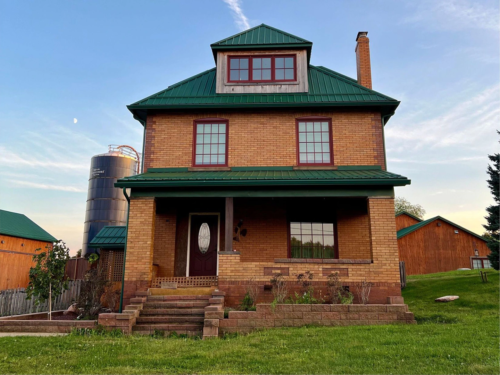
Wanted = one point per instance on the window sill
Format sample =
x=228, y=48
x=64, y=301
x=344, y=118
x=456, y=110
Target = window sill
x=324, y=261
x=314, y=168
x=260, y=83
x=208, y=169
x=228, y=252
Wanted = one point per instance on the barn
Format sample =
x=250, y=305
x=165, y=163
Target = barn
x=438, y=245
x=20, y=237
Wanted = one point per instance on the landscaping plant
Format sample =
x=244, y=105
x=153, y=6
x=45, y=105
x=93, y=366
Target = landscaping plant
x=279, y=288
x=247, y=304
x=334, y=285
x=46, y=278
x=307, y=290
x=253, y=290
x=93, y=288
x=363, y=291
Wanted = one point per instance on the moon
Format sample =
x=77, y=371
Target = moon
x=75, y=120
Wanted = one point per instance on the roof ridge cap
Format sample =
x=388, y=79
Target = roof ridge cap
x=349, y=80
x=261, y=25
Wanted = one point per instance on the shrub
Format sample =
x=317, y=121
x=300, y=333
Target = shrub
x=334, y=285
x=307, y=297
x=247, y=302
x=253, y=290
x=363, y=291
x=346, y=297
x=93, y=287
x=280, y=288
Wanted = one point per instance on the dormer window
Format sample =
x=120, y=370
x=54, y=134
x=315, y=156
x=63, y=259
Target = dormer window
x=262, y=69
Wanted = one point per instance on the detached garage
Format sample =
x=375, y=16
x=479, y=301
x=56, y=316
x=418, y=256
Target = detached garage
x=438, y=245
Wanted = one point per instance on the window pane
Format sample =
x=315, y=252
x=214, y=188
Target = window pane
x=318, y=158
x=486, y=263
x=222, y=128
x=266, y=62
x=317, y=126
x=257, y=63
x=289, y=74
x=317, y=137
x=206, y=159
x=266, y=74
x=310, y=158
x=206, y=138
x=326, y=158
x=199, y=149
x=306, y=228
x=302, y=147
x=324, y=126
x=317, y=147
x=199, y=159
x=235, y=63
x=222, y=149
x=324, y=137
x=302, y=126
x=213, y=159
x=328, y=240
x=222, y=138
x=302, y=137
x=310, y=127
x=289, y=62
x=326, y=147
x=476, y=263
x=213, y=149
x=222, y=159
x=310, y=137
x=310, y=147
x=215, y=128
x=328, y=229
x=303, y=158
x=208, y=128
x=234, y=75
x=199, y=128
x=243, y=75
x=295, y=228
x=279, y=62
x=280, y=74
x=257, y=75
x=243, y=63
x=199, y=138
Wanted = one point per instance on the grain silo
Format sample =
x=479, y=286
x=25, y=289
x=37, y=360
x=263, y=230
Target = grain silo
x=106, y=205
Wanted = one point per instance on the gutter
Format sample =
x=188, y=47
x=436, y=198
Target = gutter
x=124, y=249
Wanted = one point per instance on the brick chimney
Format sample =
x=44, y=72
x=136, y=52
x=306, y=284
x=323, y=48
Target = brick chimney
x=363, y=59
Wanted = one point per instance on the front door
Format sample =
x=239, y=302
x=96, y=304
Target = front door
x=203, y=245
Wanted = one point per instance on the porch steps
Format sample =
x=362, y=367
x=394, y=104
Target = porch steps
x=182, y=314
x=182, y=292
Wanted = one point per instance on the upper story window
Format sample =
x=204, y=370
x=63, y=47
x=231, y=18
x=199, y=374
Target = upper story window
x=314, y=139
x=267, y=68
x=210, y=143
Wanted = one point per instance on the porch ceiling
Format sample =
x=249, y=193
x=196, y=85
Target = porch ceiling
x=262, y=177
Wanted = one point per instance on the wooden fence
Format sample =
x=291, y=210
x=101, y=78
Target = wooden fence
x=14, y=302
x=402, y=274
x=76, y=268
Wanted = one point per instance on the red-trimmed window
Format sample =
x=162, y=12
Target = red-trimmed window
x=479, y=263
x=312, y=240
x=265, y=68
x=210, y=143
x=314, y=142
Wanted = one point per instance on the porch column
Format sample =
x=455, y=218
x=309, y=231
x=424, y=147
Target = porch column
x=384, y=245
x=228, y=238
x=140, y=245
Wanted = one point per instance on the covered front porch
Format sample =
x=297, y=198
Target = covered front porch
x=180, y=234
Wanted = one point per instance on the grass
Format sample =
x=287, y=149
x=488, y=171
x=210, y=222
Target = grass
x=451, y=338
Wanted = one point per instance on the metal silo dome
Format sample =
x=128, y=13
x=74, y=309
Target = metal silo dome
x=106, y=204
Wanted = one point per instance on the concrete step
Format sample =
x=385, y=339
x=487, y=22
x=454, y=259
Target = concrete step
x=179, y=328
x=168, y=319
x=179, y=298
x=175, y=304
x=173, y=311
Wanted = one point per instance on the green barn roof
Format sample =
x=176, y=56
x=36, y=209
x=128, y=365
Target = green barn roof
x=408, y=214
x=327, y=88
x=261, y=37
x=405, y=231
x=110, y=237
x=262, y=176
x=19, y=225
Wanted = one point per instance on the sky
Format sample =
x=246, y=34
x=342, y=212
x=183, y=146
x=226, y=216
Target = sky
x=69, y=68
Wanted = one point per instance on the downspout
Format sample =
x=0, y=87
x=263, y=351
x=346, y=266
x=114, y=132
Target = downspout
x=124, y=249
x=143, y=147
x=383, y=137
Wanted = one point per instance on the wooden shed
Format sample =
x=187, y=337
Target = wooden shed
x=20, y=237
x=438, y=245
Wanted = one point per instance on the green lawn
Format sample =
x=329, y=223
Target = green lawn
x=461, y=337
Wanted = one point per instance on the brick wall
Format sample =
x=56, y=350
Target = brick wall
x=164, y=243
x=140, y=240
x=264, y=137
x=353, y=229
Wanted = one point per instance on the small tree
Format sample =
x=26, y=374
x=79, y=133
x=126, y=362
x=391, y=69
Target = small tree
x=402, y=204
x=46, y=279
x=492, y=227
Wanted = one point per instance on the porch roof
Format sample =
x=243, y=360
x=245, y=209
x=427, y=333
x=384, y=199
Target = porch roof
x=263, y=176
x=109, y=237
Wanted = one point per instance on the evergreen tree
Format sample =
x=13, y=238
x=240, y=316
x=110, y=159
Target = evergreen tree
x=493, y=226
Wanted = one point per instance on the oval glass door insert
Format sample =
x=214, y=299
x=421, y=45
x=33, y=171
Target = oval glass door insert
x=204, y=238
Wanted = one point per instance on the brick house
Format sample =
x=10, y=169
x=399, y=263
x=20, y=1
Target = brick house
x=264, y=164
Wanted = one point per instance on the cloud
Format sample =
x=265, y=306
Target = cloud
x=240, y=18
x=35, y=185
x=9, y=158
x=455, y=14
x=470, y=123
x=448, y=161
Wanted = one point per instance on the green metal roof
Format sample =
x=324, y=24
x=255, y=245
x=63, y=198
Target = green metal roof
x=19, y=225
x=403, y=232
x=261, y=37
x=326, y=88
x=408, y=214
x=110, y=237
x=263, y=176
